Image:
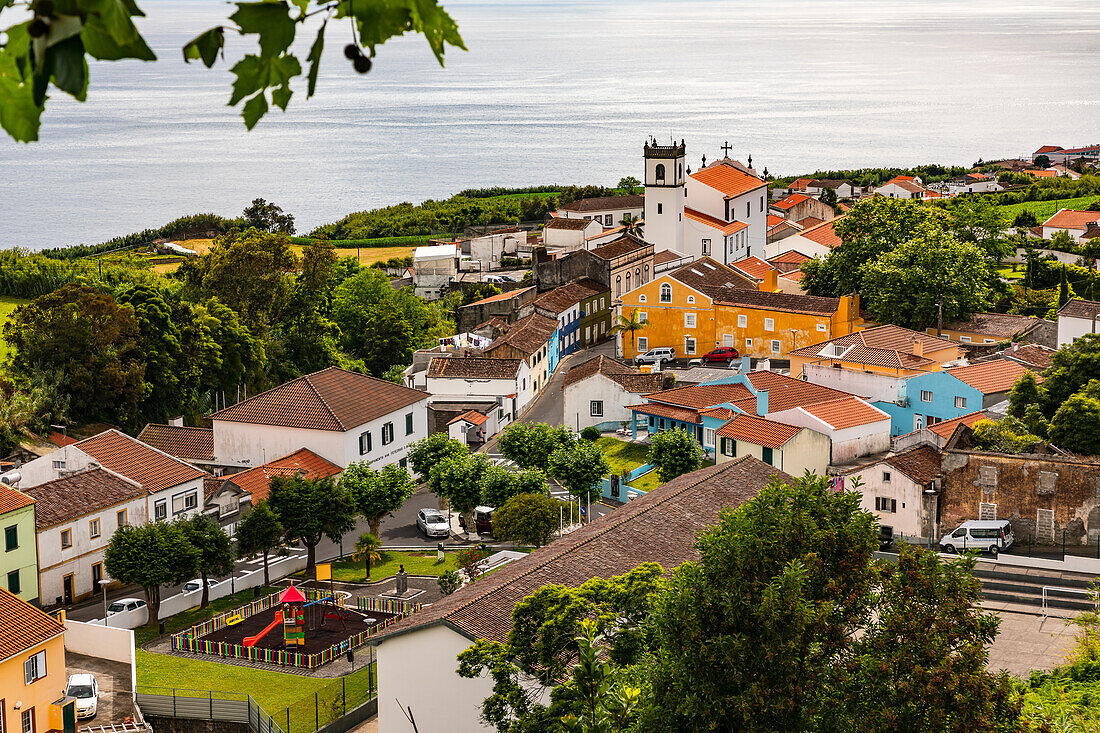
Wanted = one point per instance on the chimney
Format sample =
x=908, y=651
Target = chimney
x=918, y=347
x=770, y=283
x=746, y=364
x=762, y=402
x=176, y=422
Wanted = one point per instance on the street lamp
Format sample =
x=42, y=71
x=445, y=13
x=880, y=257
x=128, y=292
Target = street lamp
x=103, y=587
x=930, y=494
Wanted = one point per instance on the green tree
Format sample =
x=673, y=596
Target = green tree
x=308, y=337
x=367, y=549
x=629, y=184
x=433, y=450
x=1041, y=161
x=449, y=582
x=1035, y=422
x=377, y=494
x=674, y=453
x=829, y=197
x=396, y=373
x=1063, y=288
x=976, y=220
x=311, y=508
x=1076, y=424
x=268, y=217
x=159, y=341
x=630, y=324
x=151, y=555
x=497, y=485
x=1071, y=368
x=458, y=480
x=578, y=468
x=632, y=225
x=1025, y=220
x=1062, y=241
x=528, y=519
x=1008, y=435
x=259, y=533
x=90, y=342
x=53, y=46
x=599, y=693
x=1024, y=393
x=530, y=445
x=215, y=553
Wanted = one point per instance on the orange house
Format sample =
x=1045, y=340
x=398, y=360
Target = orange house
x=888, y=349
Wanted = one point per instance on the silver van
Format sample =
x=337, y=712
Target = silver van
x=984, y=535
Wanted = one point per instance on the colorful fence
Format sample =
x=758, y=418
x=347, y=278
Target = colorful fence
x=190, y=640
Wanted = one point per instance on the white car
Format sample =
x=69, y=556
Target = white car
x=656, y=356
x=125, y=604
x=196, y=584
x=433, y=523
x=86, y=691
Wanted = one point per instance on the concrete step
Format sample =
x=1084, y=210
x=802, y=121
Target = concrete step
x=1034, y=601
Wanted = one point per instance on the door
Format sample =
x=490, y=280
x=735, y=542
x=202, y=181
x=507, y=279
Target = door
x=68, y=718
x=97, y=576
x=67, y=585
x=766, y=455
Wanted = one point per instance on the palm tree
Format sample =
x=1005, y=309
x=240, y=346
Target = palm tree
x=632, y=225
x=630, y=324
x=366, y=549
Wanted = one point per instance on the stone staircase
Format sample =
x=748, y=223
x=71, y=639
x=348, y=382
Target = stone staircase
x=1020, y=590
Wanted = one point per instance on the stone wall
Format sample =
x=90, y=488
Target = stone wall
x=186, y=725
x=550, y=274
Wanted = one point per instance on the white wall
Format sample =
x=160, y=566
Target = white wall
x=451, y=389
x=383, y=455
x=807, y=247
x=569, y=238
x=41, y=470
x=910, y=517
x=872, y=387
x=1070, y=329
x=617, y=215
x=747, y=208
x=861, y=440
x=578, y=396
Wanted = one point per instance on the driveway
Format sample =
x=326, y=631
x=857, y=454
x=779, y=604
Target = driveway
x=115, y=700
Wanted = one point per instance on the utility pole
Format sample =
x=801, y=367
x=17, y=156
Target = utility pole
x=939, y=317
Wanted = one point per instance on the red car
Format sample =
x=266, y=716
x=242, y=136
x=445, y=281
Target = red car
x=724, y=353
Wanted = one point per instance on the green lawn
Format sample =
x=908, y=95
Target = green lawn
x=647, y=481
x=1011, y=271
x=7, y=305
x=185, y=619
x=1045, y=209
x=416, y=563
x=621, y=455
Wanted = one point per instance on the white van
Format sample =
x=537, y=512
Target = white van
x=983, y=535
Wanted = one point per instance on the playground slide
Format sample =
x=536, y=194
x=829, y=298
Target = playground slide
x=251, y=640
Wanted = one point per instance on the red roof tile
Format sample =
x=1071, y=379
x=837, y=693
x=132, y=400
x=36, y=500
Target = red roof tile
x=189, y=444
x=502, y=296
x=570, y=224
x=754, y=267
x=10, y=499
x=137, y=461
x=527, y=335
x=726, y=228
x=61, y=440
x=758, y=430
x=700, y=396
x=846, y=412
x=257, y=481
x=471, y=416
x=947, y=427
x=656, y=409
x=24, y=627
x=727, y=179
x=786, y=392
x=791, y=201
x=80, y=493
x=989, y=377
x=823, y=234
x=1072, y=219
x=790, y=257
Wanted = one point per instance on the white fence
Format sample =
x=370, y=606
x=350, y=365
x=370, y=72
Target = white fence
x=103, y=642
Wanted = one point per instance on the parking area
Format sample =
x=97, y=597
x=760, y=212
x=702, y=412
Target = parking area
x=115, y=688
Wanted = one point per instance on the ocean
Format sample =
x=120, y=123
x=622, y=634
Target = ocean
x=556, y=92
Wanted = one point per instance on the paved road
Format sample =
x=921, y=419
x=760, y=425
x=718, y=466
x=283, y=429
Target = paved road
x=549, y=405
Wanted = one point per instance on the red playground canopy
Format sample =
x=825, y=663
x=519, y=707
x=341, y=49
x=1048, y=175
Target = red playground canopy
x=292, y=595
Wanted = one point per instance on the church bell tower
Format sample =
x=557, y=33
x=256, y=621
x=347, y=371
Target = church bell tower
x=664, y=195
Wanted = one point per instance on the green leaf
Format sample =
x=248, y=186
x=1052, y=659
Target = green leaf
x=255, y=73
x=302, y=5
x=67, y=67
x=314, y=59
x=380, y=20
x=103, y=46
x=20, y=117
x=113, y=18
x=254, y=109
x=281, y=97
x=437, y=25
x=270, y=20
x=205, y=46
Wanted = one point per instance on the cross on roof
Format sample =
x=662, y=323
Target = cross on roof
x=727, y=148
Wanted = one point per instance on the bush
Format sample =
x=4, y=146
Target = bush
x=514, y=262
x=449, y=582
x=591, y=433
x=185, y=226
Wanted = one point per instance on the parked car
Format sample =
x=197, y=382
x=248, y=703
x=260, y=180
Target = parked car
x=495, y=279
x=196, y=584
x=656, y=356
x=727, y=354
x=983, y=535
x=125, y=604
x=86, y=691
x=483, y=518
x=885, y=537
x=433, y=523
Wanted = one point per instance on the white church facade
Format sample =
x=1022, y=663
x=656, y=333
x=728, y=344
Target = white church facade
x=719, y=211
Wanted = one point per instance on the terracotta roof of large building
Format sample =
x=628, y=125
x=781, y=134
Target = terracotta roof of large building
x=1048, y=149
x=784, y=302
x=725, y=227
x=629, y=378
x=561, y=222
x=660, y=527
x=473, y=367
x=604, y=203
x=823, y=234
x=711, y=277
x=887, y=358
x=727, y=179
x=500, y=296
x=846, y=412
x=790, y=257
x=1080, y=308
x=257, y=481
x=135, y=460
x=753, y=266
x=667, y=255
x=989, y=377
x=672, y=412
x=527, y=335
x=189, y=444
x=884, y=337
x=946, y=427
x=24, y=627
x=700, y=396
x=758, y=430
x=10, y=499
x=790, y=201
x=624, y=245
x=922, y=464
x=565, y=297
x=786, y=392
x=331, y=399
x=80, y=493
x=995, y=325
x=1072, y=219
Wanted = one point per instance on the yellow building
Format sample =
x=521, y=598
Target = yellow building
x=991, y=328
x=890, y=350
x=32, y=670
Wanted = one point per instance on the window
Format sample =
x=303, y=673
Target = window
x=628, y=282
x=364, y=443
x=775, y=346
x=729, y=447
x=748, y=208
x=596, y=408
x=607, y=220
x=59, y=464
x=960, y=402
x=742, y=321
x=160, y=510
x=691, y=299
x=603, y=303
x=761, y=203
x=666, y=293
x=926, y=395
x=643, y=343
x=885, y=477
x=689, y=345
x=821, y=327
x=121, y=515
x=500, y=413
x=886, y=504
x=706, y=247
x=66, y=538
x=641, y=298
x=11, y=538
x=748, y=343
x=964, y=339
x=766, y=455
x=618, y=285
x=689, y=320
x=660, y=209
x=93, y=529
x=184, y=502
x=708, y=436
x=769, y=324
x=387, y=433
x=659, y=174
x=34, y=668
x=643, y=316
x=988, y=341
x=932, y=420
x=409, y=424
x=13, y=582
x=28, y=721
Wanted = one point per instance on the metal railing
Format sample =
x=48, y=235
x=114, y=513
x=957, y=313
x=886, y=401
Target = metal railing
x=1062, y=589
x=234, y=707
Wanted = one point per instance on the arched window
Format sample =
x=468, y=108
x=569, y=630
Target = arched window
x=641, y=298
x=659, y=172
x=680, y=169
x=666, y=293
x=628, y=282
x=637, y=276
x=646, y=274
x=618, y=286
x=691, y=298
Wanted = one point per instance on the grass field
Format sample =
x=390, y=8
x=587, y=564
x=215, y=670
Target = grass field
x=7, y=305
x=1045, y=209
x=367, y=255
x=622, y=456
x=416, y=563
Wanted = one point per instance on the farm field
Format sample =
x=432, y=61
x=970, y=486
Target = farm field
x=367, y=255
x=1045, y=209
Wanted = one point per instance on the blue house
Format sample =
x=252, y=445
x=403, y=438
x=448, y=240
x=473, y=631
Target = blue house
x=937, y=396
x=566, y=304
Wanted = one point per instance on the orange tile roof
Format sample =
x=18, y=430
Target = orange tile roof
x=786, y=392
x=823, y=234
x=810, y=222
x=502, y=296
x=800, y=184
x=24, y=627
x=526, y=335
x=331, y=399
x=1048, y=149
x=1072, y=219
x=793, y=200
x=10, y=499
x=84, y=492
x=945, y=428
x=726, y=228
x=61, y=440
x=257, y=481
x=471, y=416
x=724, y=413
x=753, y=266
x=790, y=257
x=701, y=396
x=795, y=275
x=846, y=412
x=1041, y=173
x=774, y=220
x=190, y=444
x=758, y=430
x=667, y=255
x=682, y=414
x=137, y=461
x=727, y=179
x=990, y=377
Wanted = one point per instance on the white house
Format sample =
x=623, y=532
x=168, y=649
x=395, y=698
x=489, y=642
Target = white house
x=465, y=378
x=434, y=267
x=75, y=516
x=972, y=183
x=902, y=187
x=844, y=189
x=893, y=489
x=472, y=428
x=561, y=234
x=339, y=415
x=416, y=656
x=790, y=448
x=1076, y=318
x=815, y=241
x=535, y=340
x=1081, y=225
x=855, y=428
x=597, y=392
x=489, y=248
x=607, y=210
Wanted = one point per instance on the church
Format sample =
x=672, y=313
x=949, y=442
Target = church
x=719, y=211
